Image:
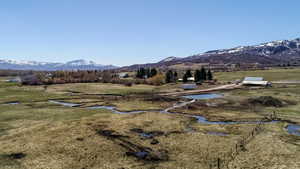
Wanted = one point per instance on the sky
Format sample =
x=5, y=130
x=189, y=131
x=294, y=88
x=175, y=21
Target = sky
x=125, y=32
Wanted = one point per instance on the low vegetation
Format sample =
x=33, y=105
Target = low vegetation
x=35, y=133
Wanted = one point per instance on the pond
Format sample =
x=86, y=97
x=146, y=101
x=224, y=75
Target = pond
x=64, y=103
x=217, y=133
x=13, y=103
x=114, y=110
x=204, y=96
x=293, y=129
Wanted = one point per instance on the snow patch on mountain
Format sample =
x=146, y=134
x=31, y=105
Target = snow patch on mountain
x=169, y=59
x=34, y=65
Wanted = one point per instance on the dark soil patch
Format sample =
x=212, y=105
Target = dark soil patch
x=11, y=160
x=197, y=105
x=17, y=155
x=154, y=142
x=12, y=156
x=158, y=98
x=80, y=139
x=266, y=101
x=147, y=135
x=109, y=134
x=12, y=103
x=134, y=149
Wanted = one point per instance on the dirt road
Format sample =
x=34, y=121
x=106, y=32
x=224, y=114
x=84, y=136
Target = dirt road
x=223, y=87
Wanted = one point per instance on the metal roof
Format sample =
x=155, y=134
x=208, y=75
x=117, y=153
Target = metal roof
x=253, y=79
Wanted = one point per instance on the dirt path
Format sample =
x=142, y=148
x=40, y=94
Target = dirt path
x=223, y=87
x=286, y=82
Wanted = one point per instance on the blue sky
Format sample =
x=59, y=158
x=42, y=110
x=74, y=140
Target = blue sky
x=124, y=32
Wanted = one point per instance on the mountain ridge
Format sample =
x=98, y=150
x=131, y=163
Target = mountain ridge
x=268, y=53
x=78, y=64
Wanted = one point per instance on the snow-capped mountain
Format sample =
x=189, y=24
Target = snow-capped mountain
x=266, y=49
x=49, y=66
x=266, y=53
x=270, y=53
x=169, y=59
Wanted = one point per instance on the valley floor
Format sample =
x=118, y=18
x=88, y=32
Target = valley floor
x=38, y=134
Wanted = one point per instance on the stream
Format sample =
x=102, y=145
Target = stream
x=291, y=128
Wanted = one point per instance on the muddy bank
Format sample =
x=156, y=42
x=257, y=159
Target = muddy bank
x=133, y=149
x=12, y=103
x=11, y=160
x=267, y=101
x=64, y=103
x=147, y=134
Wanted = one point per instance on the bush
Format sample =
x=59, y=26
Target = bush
x=266, y=101
x=157, y=80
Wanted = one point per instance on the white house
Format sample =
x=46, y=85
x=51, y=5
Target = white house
x=256, y=81
x=14, y=80
x=191, y=79
x=123, y=75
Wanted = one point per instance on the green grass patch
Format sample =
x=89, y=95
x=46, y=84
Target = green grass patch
x=270, y=75
x=44, y=111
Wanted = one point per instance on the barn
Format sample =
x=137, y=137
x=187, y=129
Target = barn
x=255, y=81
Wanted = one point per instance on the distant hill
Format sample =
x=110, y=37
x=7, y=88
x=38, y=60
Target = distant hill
x=48, y=66
x=271, y=53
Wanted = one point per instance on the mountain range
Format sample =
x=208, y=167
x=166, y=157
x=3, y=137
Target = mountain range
x=49, y=66
x=270, y=53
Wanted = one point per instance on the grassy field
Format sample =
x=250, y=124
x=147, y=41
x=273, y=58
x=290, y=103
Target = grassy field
x=270, y=75
x=37, y=134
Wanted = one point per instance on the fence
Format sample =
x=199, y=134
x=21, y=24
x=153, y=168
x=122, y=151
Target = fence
x=225, y=159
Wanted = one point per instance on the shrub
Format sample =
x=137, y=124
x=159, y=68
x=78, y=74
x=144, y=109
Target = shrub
x=158, y=79
x=266, y=101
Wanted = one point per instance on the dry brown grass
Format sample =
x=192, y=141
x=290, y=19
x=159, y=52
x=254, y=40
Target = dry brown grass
x=57, y=137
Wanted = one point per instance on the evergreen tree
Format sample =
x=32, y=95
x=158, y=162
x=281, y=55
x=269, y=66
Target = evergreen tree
x=185, y=78
x=153, y=72
x=209, y=75
x=175, y=76
x=203, y=74
x=188, y=73
x=147, y=73
x=138, y=73
x=169, y=76
x=197, y=76
x=141, y=73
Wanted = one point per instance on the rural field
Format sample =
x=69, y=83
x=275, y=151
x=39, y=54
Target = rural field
x=112, y=126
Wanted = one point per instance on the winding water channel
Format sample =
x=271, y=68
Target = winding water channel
x=291, y=128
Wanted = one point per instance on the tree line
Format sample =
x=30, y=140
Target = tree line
x=199, y=75
x=144, y=73
x=150, y=76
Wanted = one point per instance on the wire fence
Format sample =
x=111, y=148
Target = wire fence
x=224, y=159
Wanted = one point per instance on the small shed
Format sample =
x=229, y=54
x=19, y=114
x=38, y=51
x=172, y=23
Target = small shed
x=15, y=80
x=191, y=79
x=123, y=75
x=189, y=86
x=255, y=81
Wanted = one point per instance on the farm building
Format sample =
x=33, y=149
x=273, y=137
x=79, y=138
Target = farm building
x=256, y=81
x=190, y=79
x=14, y=80
x=189, y=86
x=123, y=75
